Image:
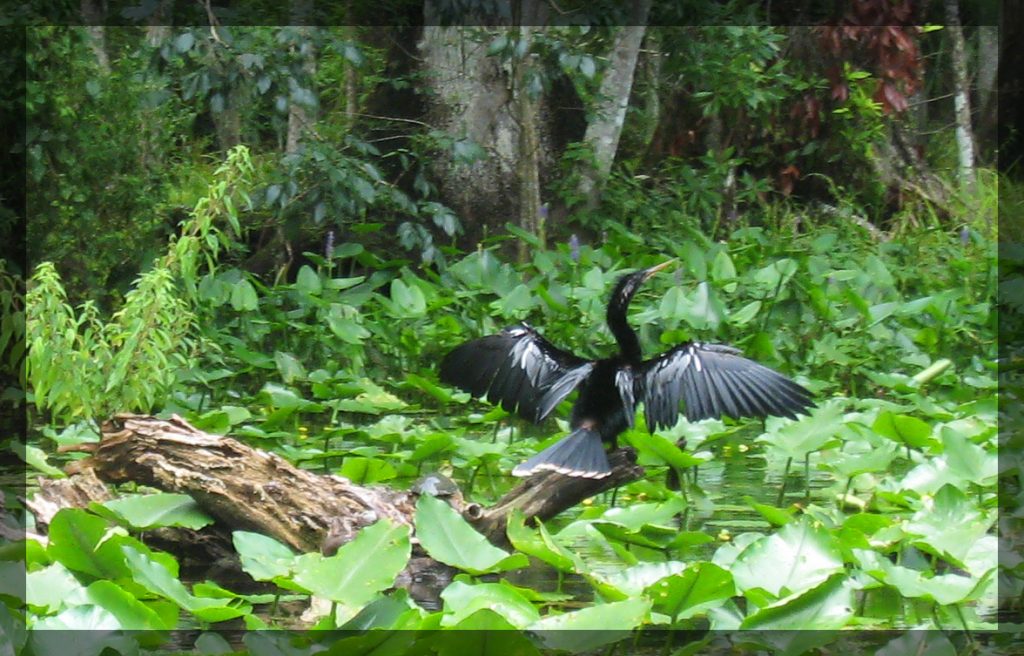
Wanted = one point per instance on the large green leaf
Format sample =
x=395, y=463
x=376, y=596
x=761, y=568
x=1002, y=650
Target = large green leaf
x=949, y=524
x=263, y=558
x=695, y=590
x=539, y=544
x=52, y=588
x=475, y=634
x=904, y=429
x=658, y=449
x=447, y=537
x=589, y=628
x=88, y=619
x=79, y=540
x=359, y=571
x=129, y=611
x=393, y=611
x=631, y=581
x=243, y=296
x=968, y=460
x=366, y=471
x=942, y=588
x=827, y=606
x=462, y=600
x=85, y=543
x=162, y=509
x=795, y=439
x=155, y=578
x=289, y=367
x=799, y=556
x=308, y=281
x=408, y=300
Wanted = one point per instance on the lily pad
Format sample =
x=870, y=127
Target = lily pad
x=904, y=429
x=539, y=544
x=798, y=557
x=263, y=558
x=695, y=590
x=155, y=578
x=589, y=628
x=359, y=571
x=948, y=525
x=461, y=600
x=447, y=537
x=474, y=635
x=827, y=606
x=163, y=509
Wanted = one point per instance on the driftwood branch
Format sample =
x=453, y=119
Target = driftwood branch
x=251, y=489
x=239, y=486
x=547, y=493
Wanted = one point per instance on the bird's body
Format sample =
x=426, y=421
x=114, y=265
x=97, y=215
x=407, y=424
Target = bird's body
x=524, y=373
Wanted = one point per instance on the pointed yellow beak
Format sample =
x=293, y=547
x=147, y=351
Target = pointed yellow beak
x=658, y=267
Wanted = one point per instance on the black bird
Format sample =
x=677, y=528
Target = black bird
x=528, y=375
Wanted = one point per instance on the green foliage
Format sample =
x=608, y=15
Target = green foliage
x=98, y=146
x=12, y=331
x=446, y=536
x=82, y=368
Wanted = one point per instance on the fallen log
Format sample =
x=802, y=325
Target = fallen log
x=245, y=488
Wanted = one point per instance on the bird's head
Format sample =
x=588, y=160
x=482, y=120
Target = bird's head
x=628, y=284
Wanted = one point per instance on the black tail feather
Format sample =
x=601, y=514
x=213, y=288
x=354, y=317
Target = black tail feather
x=580, y=453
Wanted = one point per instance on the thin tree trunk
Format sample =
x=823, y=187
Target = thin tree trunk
x=652, y=72
x=157, y=27
x=604, y=130
x=157, y=33
x=351, y=91
x=528, y=164
x=351, y=97
x=93, y=17
x=961, y=96
x=300, y=114
x=988, y=66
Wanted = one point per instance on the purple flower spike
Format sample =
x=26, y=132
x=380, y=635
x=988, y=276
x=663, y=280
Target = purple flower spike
x=574, y=247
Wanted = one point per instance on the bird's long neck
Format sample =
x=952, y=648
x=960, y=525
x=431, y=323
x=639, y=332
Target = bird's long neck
x=629, y=344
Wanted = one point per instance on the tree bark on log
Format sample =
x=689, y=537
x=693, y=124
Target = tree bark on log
x=244, y=488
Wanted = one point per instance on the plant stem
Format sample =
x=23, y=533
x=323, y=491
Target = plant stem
x=668, y=642
x=782, y=488
x=963, y=622
x=807, y=476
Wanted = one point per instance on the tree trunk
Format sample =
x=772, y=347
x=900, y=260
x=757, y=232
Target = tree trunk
x=157, y=33
x=300, y=112
x=351, y=90
x=473, y=101
x=528, y=164
x=474, y=96
x=961, y=97
x=93, y=16
x=605, y=128
x=988, y=66
x=157, y=28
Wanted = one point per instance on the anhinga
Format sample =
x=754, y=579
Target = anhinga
x=528, y=375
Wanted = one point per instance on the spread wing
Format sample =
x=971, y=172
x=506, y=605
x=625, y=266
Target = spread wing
x=712, y=380
x=516, y=368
